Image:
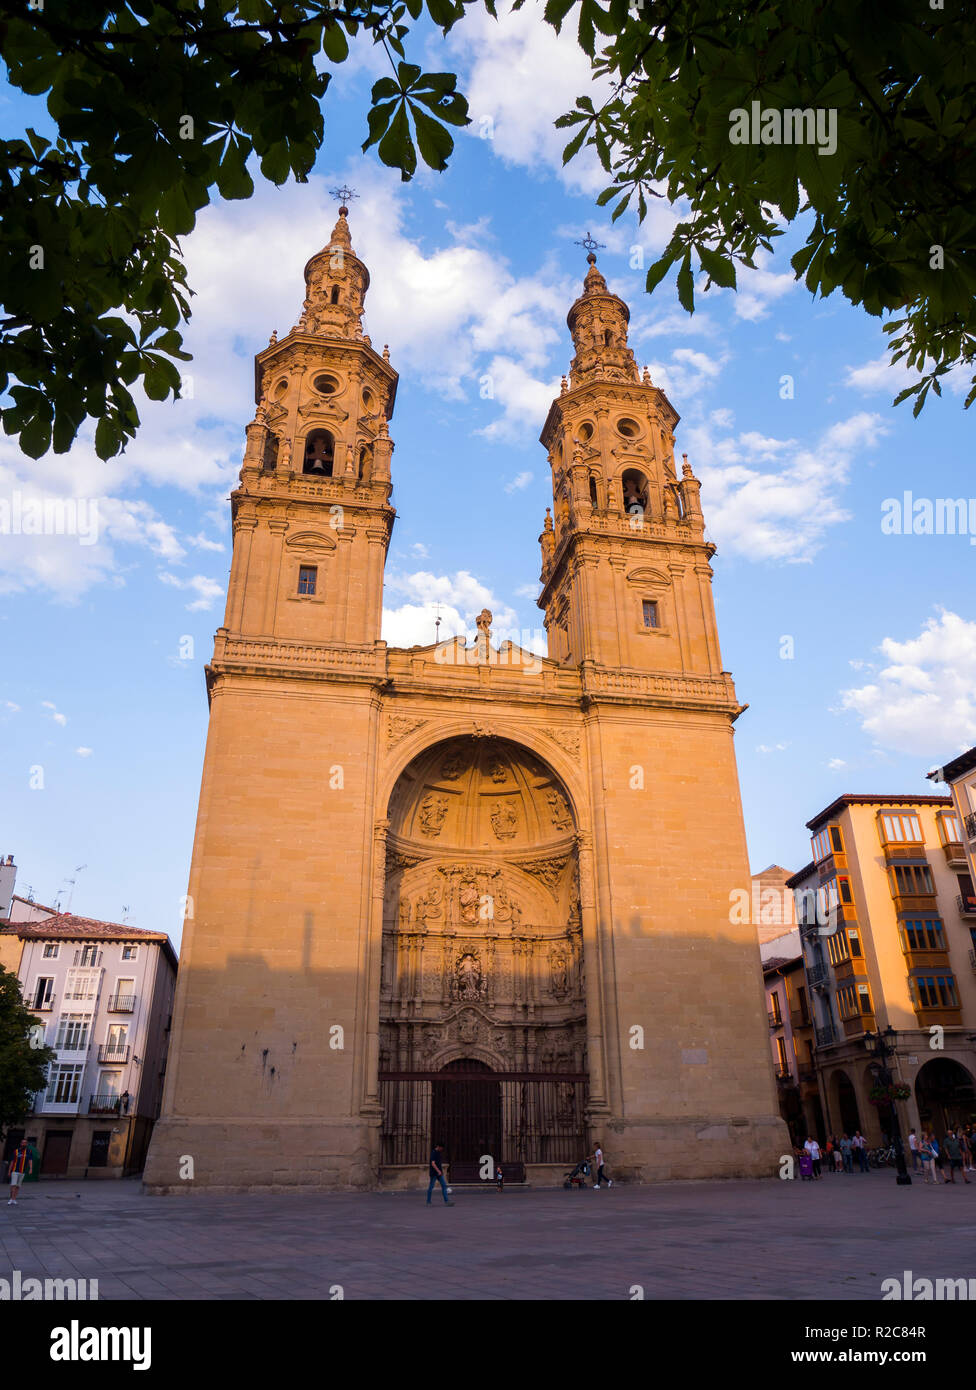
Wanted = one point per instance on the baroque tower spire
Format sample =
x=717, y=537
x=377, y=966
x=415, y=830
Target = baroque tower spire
x=625, y=564
x=312, y=517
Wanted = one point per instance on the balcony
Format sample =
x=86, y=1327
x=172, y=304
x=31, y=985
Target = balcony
x=774, y=1020
x=784, y=1078
x=108, y=1105
x=966, y=903
x=112, y=1052
x=817, y=976
x=121, y=1004
x=955, y=854
x=826, y=1035
x=971, y=825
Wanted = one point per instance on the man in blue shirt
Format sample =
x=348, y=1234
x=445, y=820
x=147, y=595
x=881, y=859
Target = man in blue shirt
x=437, y=1174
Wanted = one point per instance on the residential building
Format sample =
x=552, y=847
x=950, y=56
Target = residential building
x=791, y=1040
x=959, y=775
x=886, y=945
x=103, y=993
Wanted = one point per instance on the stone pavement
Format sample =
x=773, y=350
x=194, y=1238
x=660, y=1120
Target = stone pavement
x=770, y=1239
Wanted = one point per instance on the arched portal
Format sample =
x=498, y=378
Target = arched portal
x=482, y=962
x=945, y=1094
x=844, y=1102
x=466, y=1112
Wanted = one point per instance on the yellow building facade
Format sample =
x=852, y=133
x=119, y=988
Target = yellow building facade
x=463, y=891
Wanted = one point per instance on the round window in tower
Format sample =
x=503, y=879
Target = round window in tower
x=281, y=389
x=326, y=385
x=368, y=400
x=586, y=431
x=628, y=428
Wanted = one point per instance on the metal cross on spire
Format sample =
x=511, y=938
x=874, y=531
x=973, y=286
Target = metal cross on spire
x=590, y=245
x=343, y=194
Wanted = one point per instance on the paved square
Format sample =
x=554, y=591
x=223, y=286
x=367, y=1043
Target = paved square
x=837, y=1238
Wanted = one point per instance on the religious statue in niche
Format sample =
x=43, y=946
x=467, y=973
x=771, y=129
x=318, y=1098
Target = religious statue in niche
x=428, y=905
x=561, y=819
x=558, y=973
x=404, y=914
x=452, y=767
x=468, y=900
x=504, y=820
x=468, y=978
x=433, y=809
x=507, y=909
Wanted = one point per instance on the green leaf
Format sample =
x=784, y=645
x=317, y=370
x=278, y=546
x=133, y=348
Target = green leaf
x=396, y=149
x=433, y=139
x=686, y=285
x=717, y=267
x=334, y=44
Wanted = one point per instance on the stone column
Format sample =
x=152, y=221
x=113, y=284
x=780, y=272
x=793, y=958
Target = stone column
x=277, y=526
x=370, y=1088
x=244, y=528
x=593, y=975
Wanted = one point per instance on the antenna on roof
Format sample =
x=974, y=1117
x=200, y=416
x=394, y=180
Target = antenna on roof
x=72, y=882
x=125, y=914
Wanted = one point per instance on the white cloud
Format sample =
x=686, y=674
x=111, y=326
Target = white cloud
x=14, y=709
x=924, y=700
x=687, y=373
x=519, y=482
x=881, y=374
x=61, y=719
x=207, y=590
x=783, y=510
x=758, y=289
x=456, y=599
x=202, y=542
x=836, y=764
x=420, y=550
x=84, y=752
x=771, y=747
x=523, y=398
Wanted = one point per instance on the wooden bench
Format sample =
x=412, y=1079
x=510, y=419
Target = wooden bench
x=469, y=1174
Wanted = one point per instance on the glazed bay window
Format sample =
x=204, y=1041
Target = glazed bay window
x=307, y=579
x=911, y=880
x=828, y=841
x=64, y=1083
x=81, y=984
x=837, y=948
x=900, y=828
x=854, y=1001
x=72, y=1034
x=950, y=828
x=933, y=991
x=921, y=934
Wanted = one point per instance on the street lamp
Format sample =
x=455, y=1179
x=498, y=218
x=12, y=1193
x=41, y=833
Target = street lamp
x=882, y=1045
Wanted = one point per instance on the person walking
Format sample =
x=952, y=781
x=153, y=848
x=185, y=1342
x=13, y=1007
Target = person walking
x=838, y=1156
x=437, y=1174
x=861, y=1145
x=913, y=1145
x=937, y=1162
x=813, y=1149
x=601, y=1175
x=846, y=1152
x=953, y=1157
x=967, y=1151
x=927, y=1155
x=20, y=1164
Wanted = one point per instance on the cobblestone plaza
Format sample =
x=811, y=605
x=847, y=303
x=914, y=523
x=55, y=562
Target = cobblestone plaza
x=768, y=1239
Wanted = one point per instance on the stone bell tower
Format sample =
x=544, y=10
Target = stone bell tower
x=623, y=518
x=319, y=447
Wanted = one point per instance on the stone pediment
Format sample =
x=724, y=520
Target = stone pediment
x=311, y=542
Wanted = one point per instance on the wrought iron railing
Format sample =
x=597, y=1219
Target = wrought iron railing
x=971, y=825
x=113, y=1052
x=826, y=1035
x=108, y=1105
x=122, y=1004
x=524, y=1117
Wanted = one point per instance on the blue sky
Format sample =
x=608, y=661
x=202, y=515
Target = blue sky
x=473, y=272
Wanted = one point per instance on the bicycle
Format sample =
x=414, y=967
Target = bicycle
x=882, y=1157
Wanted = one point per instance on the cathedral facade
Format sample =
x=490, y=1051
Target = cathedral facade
x=462, y=891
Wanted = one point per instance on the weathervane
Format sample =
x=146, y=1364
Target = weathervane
x=343, y=194
x=590, y=245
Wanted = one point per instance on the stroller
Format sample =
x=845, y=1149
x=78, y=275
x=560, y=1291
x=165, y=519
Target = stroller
x=577, y=1178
